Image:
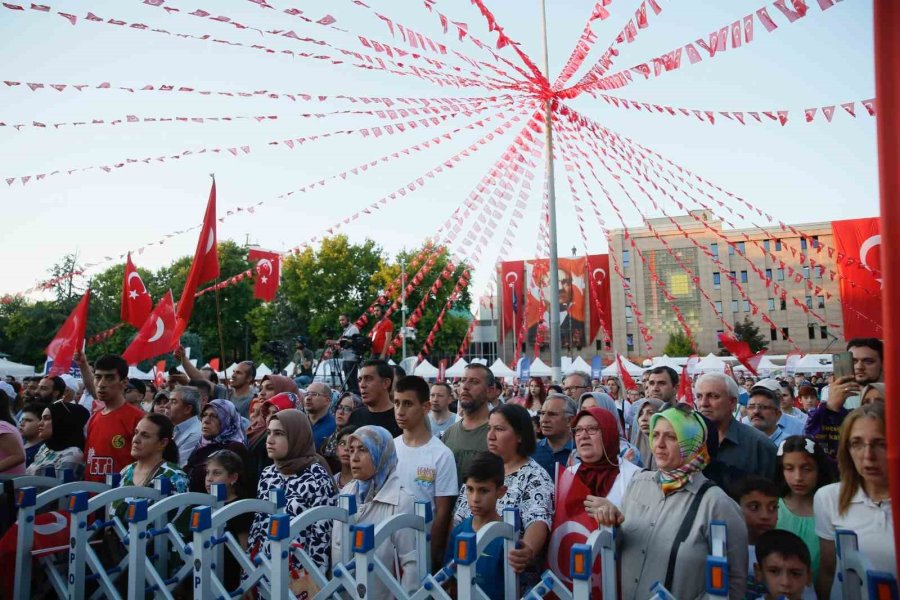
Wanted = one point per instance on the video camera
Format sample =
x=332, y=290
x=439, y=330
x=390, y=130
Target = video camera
x=357, y=342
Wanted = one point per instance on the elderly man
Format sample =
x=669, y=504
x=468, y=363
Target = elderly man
x=764, y=412
x=184, y=411
x=742, y=449
x=556, y=425
x=575, y=384
x=316, y=403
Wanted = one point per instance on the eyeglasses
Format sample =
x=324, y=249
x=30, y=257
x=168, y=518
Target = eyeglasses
x=549, y=413
x=876, y=446
x=574, y=387
x=340, y=408
x=759, y=407
x=590, y=430
x=317, y=394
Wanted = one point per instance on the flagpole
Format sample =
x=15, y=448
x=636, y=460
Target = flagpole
x=218, y=311
x=555, y=351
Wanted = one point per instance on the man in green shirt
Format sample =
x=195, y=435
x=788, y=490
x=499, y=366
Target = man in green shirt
x=468, y=437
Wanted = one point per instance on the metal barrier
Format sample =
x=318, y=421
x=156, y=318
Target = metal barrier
x=856, y=579
x=716, y=572
x=600, y=543
x=211, y=541
x=148, y=524
x=470, y=546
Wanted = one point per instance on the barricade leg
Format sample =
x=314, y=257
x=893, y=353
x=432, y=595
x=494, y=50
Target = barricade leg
x=25, y=499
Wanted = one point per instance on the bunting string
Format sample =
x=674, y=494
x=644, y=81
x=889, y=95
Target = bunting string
x=583, y=45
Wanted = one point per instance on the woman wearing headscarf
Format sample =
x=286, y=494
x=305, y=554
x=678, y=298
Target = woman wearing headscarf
x=306, y=481
x=256, y=442
x=665, y=515
x=220, y=429
x=603, y=401
x=62, y=429
x=640, y=429
x=373, y=462
x=342, y=411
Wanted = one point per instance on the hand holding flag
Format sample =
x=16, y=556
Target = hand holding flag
x=156, y=336
x=69, y=338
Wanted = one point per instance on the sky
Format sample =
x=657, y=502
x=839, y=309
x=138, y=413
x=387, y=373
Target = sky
x=798, y=173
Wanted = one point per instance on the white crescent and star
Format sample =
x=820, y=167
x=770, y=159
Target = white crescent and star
x=210, y=239
x=556, y=539
x=864, y=250
x=59, y=523
x=264, y=262
x=598, y=279
x=515, y=277
x=160, y=330
x=133, y=291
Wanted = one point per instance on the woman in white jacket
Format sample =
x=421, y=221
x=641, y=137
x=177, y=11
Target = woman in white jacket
x=373, y=464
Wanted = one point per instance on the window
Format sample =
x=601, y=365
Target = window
x=780, y=274
x=717, y=280
x=732, y=277
x=629, y=315
x=626, y=258
x=730, y=249
x=734, y=306
x=820, y=270
x=823, y=332
x=820, y=301
x=805, y=272
x=769, y=274
x=743, y=276
x=766, y=245
x=773, y=334
x=742, y=246
x=719, y=333
x=746, y=305
x=628, y=283
x=777, y=245
x=718, y=307
x=809, y=302
x=803, y=243
x=714, y=248
x=629, y=342
x=812, y=331
x=784, y=333
x=815, y=241
x=783, y=304
x=771, y=303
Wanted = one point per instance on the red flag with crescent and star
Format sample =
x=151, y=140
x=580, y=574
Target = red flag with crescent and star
x=70, y=338
x=571, y=525
x=601, y=305
x=268, y=268
x=624, y=375
x=858, y=245
x=157, y=334
x=204, y=267
x=512, y=274
x=50, y=534
x=741, y=351
x=136, y=300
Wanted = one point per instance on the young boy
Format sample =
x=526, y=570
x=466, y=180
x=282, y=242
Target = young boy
x=425, y=466
x=783, y=565
x=29, y=425
x=758, y=498
x=484, y=485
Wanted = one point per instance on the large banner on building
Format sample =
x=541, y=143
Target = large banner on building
x=858, y=244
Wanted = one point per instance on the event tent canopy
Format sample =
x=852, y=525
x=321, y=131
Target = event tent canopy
x=426, y=369
x=262, y=370
x=612, y=369
x=814, y=363
x=710, y=364
x=539, y=368
x=17, y=370
x=579, y=364
x=458, y=368
x=499, y=369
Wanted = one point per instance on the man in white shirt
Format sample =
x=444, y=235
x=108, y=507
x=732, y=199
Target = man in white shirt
x=184, y=411
x=425, y=466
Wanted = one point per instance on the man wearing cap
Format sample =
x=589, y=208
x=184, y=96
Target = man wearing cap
x=184, y=411
x=764, y=412
x=135, y=392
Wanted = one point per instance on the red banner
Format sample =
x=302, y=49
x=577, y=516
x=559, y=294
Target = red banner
x=268, y=270
x=571, y=525
x=512, y=275
x=598, y=276
x=858, y=243
x=571, y=299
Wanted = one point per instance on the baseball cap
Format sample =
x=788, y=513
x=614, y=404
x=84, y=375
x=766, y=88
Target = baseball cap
x=138, y=385
x=768, y=386
x=10, y=391
x=71, y=382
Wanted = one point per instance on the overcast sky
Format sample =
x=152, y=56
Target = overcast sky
x=800, y=172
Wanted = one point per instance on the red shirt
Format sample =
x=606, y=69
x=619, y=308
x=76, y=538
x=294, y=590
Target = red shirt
x=381, y=335
x=108, y=446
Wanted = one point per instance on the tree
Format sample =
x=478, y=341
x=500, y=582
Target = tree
x=679, y=344
x=748, y=331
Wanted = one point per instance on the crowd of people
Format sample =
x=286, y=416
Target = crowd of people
x=783, y=462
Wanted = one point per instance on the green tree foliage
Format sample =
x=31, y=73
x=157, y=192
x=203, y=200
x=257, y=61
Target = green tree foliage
x=748, y=331
x=679, y=344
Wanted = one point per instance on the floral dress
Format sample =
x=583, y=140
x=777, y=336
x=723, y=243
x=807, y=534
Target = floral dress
x=166, y=469
x=305, y=490
x=67, y=458
x=529, y=489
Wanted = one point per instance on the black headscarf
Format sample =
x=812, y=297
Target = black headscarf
x=68, y=425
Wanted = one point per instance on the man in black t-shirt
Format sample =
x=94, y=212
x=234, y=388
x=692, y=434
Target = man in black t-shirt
x=376, y=378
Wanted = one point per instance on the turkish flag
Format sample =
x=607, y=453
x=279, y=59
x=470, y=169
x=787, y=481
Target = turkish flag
x=685, y=387
x=204, y=267
x=512, y=274
x=136, y=301
x=51, y=533
x=157, y=335
x=859, y=241
x=624, y=375
x=159, y=378
x=69, y=338
x=571, y=525
x=598, y=276
x=741, y=351
x=268, y=270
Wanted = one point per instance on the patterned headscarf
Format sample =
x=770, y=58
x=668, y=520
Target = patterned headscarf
x=229, y=424
x=690, y=429
x=380, y=444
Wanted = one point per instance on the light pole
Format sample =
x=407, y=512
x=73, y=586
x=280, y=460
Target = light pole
x=555, y=354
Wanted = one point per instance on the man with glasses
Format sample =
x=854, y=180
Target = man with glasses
x=316, y=403
x=557, y=444
x=764, y=412
x=575, y=384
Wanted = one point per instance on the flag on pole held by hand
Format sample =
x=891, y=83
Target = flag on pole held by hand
x=627, y=380
x=70, y=338
x=267, y=266
x=741, y=351
x=204, y=267
x=157, y=334
x=136, y=300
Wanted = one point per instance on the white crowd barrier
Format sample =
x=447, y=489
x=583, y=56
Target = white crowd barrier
x=161, y=559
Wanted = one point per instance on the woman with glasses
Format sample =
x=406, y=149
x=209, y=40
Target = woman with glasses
x=627, y=450
x=528, y=486
x=220, y=429
x=345, y=407
x=861, y=501
x=62, y=430
x=665, y=515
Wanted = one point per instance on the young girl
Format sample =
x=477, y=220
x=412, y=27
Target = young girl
x=225, y=466
x=342, y=450
x=802, y=469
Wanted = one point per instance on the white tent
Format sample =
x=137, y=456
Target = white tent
x=499, y=369
x=814, y=363
x=612, y=370
x=262, y=370
x=668, y=361
x=709, y=364
x=579, y=364
x=135, y=373
x=426, y=369
x=764, y=367
x=17, y=370
x=480, y=361
x=539, y=368
x=458, y=368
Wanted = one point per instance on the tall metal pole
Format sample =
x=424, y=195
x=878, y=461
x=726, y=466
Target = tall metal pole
x=403, y=305
x=555, y=353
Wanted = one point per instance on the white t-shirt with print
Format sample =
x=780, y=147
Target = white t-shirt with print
x=426, y=471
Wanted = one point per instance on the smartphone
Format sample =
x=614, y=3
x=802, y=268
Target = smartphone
x=842, y=363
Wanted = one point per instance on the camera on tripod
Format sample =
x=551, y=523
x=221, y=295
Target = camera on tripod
x=357, y=342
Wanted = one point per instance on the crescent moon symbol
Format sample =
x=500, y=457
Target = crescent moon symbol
x=160, y=329
x=598, y=279
x=515, y=277
x=210, y=239
x=59, y=523
x=264, y=262
x=559, y=534
x=864, y=249
x=134, y=274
